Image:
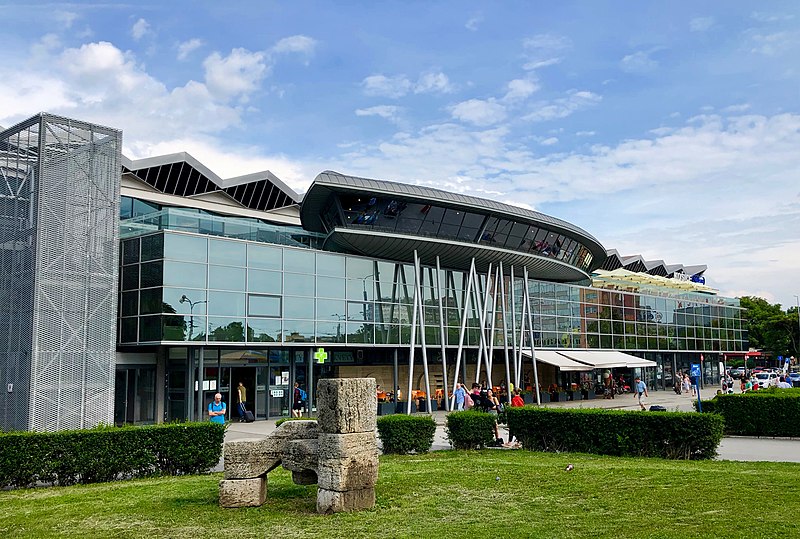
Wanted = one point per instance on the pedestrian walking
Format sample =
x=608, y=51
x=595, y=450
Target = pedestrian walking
x=640, y=390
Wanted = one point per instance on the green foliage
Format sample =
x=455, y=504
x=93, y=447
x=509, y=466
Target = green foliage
x=283, y=420
x=470, y=429
x=766, y=412
x=108, y=453
x=771, y=328
x=671, y=435
x=406, y=433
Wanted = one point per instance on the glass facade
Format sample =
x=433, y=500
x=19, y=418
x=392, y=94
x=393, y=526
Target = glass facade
x=421, y=219
x=179, y=287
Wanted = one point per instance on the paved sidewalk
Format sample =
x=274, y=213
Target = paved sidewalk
x=740, y=448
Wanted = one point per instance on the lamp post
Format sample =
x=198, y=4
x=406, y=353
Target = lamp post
x=797, y=299
x=185, y=299
x=364, y=284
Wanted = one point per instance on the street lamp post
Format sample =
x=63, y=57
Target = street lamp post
x=797, y=299
x=191, y=303
x=365, y=309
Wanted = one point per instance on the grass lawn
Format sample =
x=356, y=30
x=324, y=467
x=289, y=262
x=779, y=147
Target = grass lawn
x=444, y=494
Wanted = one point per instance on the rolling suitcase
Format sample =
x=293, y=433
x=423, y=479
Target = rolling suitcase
x=657, y=408
x=248, y=416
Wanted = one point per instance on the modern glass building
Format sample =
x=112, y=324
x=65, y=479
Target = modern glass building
x=223, y=281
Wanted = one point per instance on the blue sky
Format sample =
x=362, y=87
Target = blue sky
x=669, y=130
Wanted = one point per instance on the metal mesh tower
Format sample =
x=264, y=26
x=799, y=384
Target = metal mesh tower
x=59, y=248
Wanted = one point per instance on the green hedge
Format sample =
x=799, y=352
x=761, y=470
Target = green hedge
x=671, y=435
x=767, y=412
x=470, y=429
x=406, y=433
x=108, y=453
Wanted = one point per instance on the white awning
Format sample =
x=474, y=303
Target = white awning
x=606, y=359
x=557, y=360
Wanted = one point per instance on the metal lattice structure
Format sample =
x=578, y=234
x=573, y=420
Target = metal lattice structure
x=59, y=249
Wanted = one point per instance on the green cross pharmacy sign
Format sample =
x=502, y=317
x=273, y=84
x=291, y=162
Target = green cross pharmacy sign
x=321, y=355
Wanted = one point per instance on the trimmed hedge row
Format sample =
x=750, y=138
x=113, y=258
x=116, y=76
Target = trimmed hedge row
x=670, y=435
x=406, y=433
x=767, y=412
x=470, y=429
x=108, y=453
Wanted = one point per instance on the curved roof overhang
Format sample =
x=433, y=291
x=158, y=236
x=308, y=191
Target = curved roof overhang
x=328, y=183
x=452, y=254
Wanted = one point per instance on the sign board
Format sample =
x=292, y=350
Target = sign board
x=277, y=393
x=320, y=355
x=695, y=370
x=10, y=388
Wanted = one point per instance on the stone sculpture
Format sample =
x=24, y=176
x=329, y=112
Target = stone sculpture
x=338, y=452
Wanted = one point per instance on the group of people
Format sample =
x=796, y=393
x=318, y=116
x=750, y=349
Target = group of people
x=684, y=385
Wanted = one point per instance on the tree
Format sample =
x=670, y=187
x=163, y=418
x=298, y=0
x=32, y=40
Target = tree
x=769, y=327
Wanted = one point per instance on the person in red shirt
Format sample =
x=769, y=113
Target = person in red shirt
x=516, y=400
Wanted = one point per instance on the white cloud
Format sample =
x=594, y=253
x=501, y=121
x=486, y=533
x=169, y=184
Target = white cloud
x=473, y=22
x=563, y=107
x=479, y=112
x=383, y=86
x=760, y=16
x=237, y=74
x=549, y=141
x=519, y=89
x=743, y=107
x=433, y=82
x=187, y=47
x=585, y=133
x=388, y=112
x=66, y=18
x=140, y=29
x=701, y=24
x=771, y=44
x=543, y=50
x=400, y=85
x=296, y=44
x=638, y=62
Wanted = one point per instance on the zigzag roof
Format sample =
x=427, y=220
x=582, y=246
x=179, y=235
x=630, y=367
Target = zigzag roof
x=638, y=264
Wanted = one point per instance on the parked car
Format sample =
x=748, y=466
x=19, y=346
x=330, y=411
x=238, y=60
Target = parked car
x=794, y=379
x=766, y=379
x=737, y=373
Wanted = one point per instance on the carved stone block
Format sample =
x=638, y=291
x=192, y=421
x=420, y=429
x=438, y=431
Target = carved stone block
x=243, y=492
x=346, y=405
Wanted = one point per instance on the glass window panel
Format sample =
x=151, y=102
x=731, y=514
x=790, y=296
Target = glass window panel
x=298, y=285
x=298, y=331
x=358, y=267
x=226, y=278
x=129, y=328
x=451, y=223
x=432, y=221
x=359, y=288
x=152, y=274
x=185, y=247
x=225, y=329
x=129, y=303
x=330, y=265
x=228, y=253
x=150, y=301
x=362, y=310
x=330, y=331
x=298, y=307
x=330, y=287
x=225, y=304
x=194, y=301
x=298, y=260
x=264, y=306
x=130, y=277
x=264, y=257
x=184, y=328
x=267, y=282
x=152, y=247
x=360, y=333
x=516, y=238
x=142, y=207
x=184, y=274
x=263, y=330
x=130, y=251
x=331, y=309
x=149, y=328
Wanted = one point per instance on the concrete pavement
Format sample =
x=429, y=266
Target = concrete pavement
x=739, y=448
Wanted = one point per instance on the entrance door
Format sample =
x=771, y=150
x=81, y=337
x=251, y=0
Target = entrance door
x=247, y=377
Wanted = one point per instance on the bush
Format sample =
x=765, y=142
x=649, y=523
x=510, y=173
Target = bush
x=108, y=453
x=671, y=435
x=767, y=412
x=406, y=433
x=470, y=429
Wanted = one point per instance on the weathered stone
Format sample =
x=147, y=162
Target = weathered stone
x=244, y=459
x=243, y=492
x=304, y=477
x=337, y=446
x=300, y=455
x=330, y=501
x=347, y=461
x=346, y=405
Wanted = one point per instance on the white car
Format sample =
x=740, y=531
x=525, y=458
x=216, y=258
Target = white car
x=767, y=379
